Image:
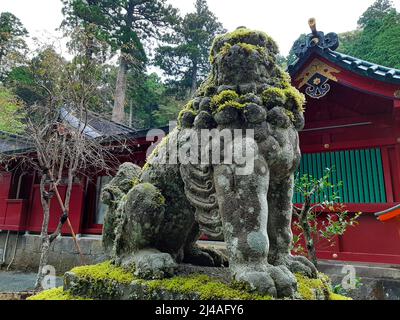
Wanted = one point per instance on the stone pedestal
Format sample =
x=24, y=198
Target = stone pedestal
x=106, y=282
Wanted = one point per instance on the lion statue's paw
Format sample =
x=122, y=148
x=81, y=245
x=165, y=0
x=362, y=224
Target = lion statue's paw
x=298, y=264
x=267, y=280
x=206, y=257
x=151, y=264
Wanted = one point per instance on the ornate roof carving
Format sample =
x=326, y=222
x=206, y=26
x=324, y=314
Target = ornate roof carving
x=325, y=46
x=315, y=39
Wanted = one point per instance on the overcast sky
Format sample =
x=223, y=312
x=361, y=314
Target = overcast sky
x=284, y=20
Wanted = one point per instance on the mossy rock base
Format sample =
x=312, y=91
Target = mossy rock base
x=107, y=282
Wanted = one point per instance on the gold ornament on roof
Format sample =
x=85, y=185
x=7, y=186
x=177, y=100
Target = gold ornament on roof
x=316, y=67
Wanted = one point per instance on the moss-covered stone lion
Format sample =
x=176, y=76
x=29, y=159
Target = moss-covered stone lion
x=155, y=224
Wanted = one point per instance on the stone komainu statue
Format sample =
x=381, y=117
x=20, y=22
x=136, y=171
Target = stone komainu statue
x=156, y=224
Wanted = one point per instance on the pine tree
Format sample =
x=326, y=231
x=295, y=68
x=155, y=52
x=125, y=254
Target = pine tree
x=125, y=25
x=184, y=58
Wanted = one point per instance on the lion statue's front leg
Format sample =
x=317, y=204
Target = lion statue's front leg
x=283, y=152
x=280, y=197
x=244, y=210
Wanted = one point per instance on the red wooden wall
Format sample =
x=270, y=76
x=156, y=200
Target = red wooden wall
x=375, y=124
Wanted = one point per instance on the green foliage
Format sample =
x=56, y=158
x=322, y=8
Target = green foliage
x=347, y=39
x=339, y=290
x=377, y=11
x=184, y=58
x=378, y=39
x=39, y=80
x=48, y=79
x=12, y=43
x=11, y=112
x=282, y=62
x=127, y=26
x=152, y=105
x=337, y=218
x=123, y=24
x=167, y=111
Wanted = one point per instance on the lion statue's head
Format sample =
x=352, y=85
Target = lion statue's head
x=245, y=88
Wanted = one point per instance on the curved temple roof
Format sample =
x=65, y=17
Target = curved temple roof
x=94, y=126
x=325, y=45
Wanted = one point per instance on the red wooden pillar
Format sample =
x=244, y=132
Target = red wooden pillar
x=396, y=174
x=5, y=182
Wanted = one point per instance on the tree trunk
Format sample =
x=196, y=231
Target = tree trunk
x=310, y=245
x=44, y=235
x=118, y=114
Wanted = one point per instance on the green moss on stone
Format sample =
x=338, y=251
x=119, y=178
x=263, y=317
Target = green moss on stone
x=289, y=97
x=149, y=188
x=241, y=36
x=242, y=33
x=222, y=97
x=290, y=114
x=146, y=166
x=285, y=80
x=135, y=182
x=273, y=97
x=104, y=271
x=250, y=48
x=203, y=286
x=105, y=277
x=231, y=104
x=334, y=296
x=206, y=85
x=56, y=294
x=223, y=52
x=295, y=98
x=307, y=288
x=187, y=109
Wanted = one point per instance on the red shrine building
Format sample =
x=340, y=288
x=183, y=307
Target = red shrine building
x=352, y=125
